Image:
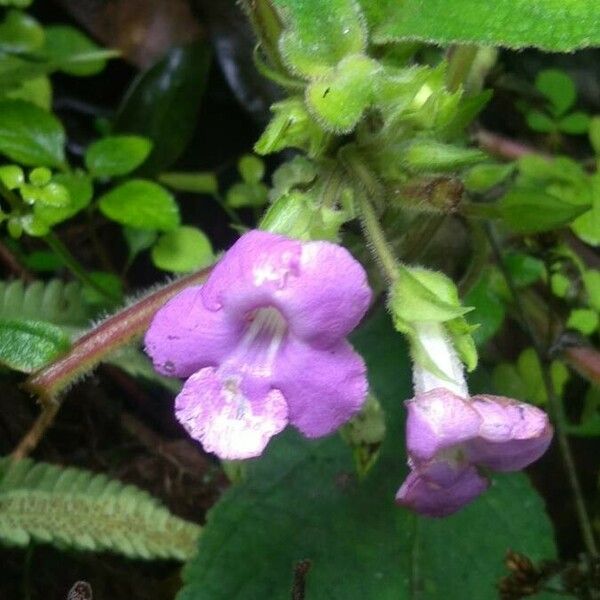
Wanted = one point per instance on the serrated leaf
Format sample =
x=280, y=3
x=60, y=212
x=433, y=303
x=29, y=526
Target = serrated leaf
x=27, y=345
x=553, y=25
x=301, y=501
x=81, y=510
x=141, y=204
x=317, y=35
x=117, y=155
x=182, y=250
x=54, y=301
x=30, y=135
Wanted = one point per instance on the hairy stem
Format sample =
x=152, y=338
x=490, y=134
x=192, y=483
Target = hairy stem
x=113, y=333
x=556, y=407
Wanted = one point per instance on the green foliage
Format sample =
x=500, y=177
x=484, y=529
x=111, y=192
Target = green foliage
x=116, y=155
x=318, y=35
x=141, y=204
x=300, y=501
x=27, y=345
x=200, y=182
x=20, y=33
x=553, y=25
x=524, y=379
x=73, y=52
x=30, y=135
x=74, y=508
x=560, y=93
x=162, y=103
x=182, y=250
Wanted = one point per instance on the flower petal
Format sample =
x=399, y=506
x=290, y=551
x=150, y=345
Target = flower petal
x=251, y=271
x=321, y=290
x=323, y=388
x=328, y=298
x=185, y=336
x=441, y=497
x=438, y=420
x=226, y=418
x=512, y=434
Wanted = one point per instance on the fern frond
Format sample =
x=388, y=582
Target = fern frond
x=82, y=510
x=55, y=301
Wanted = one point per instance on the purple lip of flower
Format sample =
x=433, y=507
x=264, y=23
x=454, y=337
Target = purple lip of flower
x=448, y=437
x=262, y=344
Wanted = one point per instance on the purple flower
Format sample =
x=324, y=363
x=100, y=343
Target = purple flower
x=262, y=344
x=449, y=438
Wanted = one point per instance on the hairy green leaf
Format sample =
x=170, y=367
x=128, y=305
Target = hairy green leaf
x=319, y=34
x=302, y=501
x=27, y=345
x=30, y=135
x=141, y=204
x=555, y=25
x=81, y=510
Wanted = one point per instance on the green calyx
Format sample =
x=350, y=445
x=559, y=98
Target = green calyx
x=422, y=296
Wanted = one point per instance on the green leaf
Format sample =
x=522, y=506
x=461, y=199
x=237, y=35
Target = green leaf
x=301, y=501
x=481, y=178
x=489, y=310
x=54, y=301
x=539, y=121
x=20, y=33
x=430, y=155
x=554, y=25
x=530, y=210
x=182, y=250
x=591, y=280
x=36, y=90
x=30, y=135
x=116, y=155
x=576, y=123
x=523, y=268
x=162, y=103
x=319, y=34
x=141, y=204
x=138, y=240
x=28, y=345
x=79, y=187
x=587, y=226
x=251, y=168
x=78, y=509
x=584, y=320
x=595, y=134
x=558, y=88
x=72, y=51
x=247, y=194
x=200, y=182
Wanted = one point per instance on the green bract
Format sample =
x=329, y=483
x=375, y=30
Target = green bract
x=420, y=295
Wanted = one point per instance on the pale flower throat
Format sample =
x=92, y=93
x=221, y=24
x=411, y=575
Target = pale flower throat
x=439, y=348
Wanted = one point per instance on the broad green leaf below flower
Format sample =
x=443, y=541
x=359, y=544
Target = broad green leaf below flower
x=302, y=500
x=116, y=155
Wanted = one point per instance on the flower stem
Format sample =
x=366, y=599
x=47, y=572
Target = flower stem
x=556, y=407
x=373, y=232
x=89, y=350
x=56, y=245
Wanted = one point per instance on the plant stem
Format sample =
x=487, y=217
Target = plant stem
x=460, y=60
x=556, y=407
x=56, y=245
x=373, y=232
x=113, y=333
